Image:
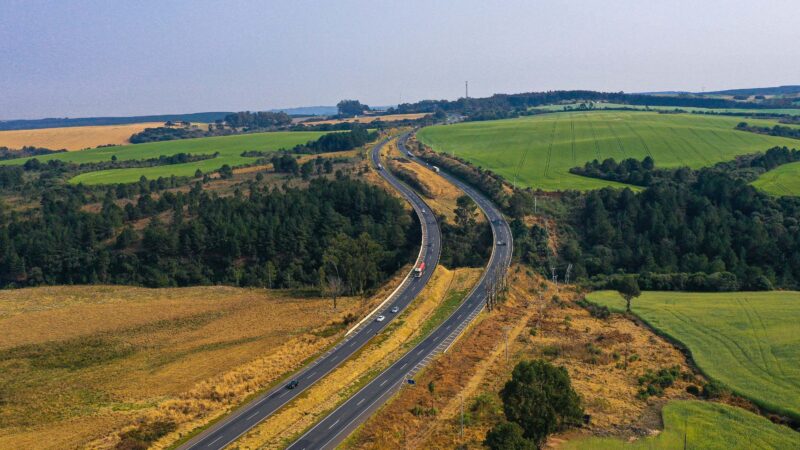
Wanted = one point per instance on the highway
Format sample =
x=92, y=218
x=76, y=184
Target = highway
x=239, y=422
x=348, y=416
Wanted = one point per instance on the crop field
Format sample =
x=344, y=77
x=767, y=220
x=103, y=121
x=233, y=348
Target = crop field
x=82, y=363
x=704, y=425
x=72, y=138
x=746, y=340
x=538, y=151
x=783, y=180
x=230, y=149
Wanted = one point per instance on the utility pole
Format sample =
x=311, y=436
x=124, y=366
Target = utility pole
x=535, y=204
x=506, y=329
x=466, y=89
x=462, y=415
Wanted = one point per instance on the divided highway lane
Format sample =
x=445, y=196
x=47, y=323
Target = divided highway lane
x=347, y=417
x=248, y=416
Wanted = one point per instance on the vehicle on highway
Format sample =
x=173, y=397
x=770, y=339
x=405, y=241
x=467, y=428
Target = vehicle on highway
x=380, y=318
x=418, y=271
x=435, y=169
x=292, y=384
x=380, y=167
x=395, y=309
x=501, y=242
x=410, y=155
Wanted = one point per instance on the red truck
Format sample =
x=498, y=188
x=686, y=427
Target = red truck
x=418, y=270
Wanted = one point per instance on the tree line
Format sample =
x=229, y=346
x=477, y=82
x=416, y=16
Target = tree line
x=775, y=130
x=714, y=232
x=277, y=238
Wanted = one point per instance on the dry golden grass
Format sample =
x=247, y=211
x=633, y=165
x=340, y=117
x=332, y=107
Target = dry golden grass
x=73, y=138
x=444, y=193
x=476, y=368
x=369, y=119
x=82, y=363
x=351, y=375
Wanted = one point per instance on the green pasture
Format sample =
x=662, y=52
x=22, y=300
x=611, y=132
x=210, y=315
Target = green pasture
x=783, y=180
x=538, y=151
x=749, y=341
x=704, y=425
x=230, y=149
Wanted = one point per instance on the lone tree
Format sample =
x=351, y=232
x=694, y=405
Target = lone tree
x=335, y=287
x=540, y=399
x=628, y=288
x=351, y=107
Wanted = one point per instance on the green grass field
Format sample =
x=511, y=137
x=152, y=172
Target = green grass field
x=230, y=149
x=538, y=151
x=750, y=341
x=783, y=180
x=705, y=425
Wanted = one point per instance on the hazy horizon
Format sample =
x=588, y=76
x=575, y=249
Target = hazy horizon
x=94, y=58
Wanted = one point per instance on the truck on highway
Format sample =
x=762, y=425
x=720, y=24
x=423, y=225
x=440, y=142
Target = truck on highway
x=419, y=270
x=435, y=169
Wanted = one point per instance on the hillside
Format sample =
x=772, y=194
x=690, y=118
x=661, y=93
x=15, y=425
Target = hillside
x=538, y=151
x=73, y=138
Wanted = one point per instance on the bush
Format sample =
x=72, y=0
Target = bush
x=715, y=389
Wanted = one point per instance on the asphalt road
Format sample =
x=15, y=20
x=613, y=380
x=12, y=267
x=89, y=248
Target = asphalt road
x=232, y=427
x=347, y=417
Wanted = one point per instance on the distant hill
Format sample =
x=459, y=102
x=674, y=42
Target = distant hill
x=308, y=111
x=776, y=90
x=32, y=124
x=779, y=90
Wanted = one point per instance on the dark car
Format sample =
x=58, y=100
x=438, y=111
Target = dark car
x=292, y=384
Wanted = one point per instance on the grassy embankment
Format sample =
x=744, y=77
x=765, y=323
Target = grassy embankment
x=704, y=425
x=230, y=149
x=538, y=151
x=746, y=340
x=475, y=369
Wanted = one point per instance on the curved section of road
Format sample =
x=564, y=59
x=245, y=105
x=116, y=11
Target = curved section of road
x=232, y=427
x=347, y=417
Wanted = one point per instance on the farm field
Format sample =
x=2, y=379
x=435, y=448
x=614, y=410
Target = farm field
x=706, y=425
x=230, y=149
x=783, y=180
x=72, y=138
x=83, y=363
x=746, y=340
x=538, y=151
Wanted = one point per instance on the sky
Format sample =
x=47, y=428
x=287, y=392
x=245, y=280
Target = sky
x=80, y=58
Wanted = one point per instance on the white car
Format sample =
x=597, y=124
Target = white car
x=395, y=309
x=380, y=319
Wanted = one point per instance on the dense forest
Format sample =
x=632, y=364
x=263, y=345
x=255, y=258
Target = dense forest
x=287, y=237
x=712, y=233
